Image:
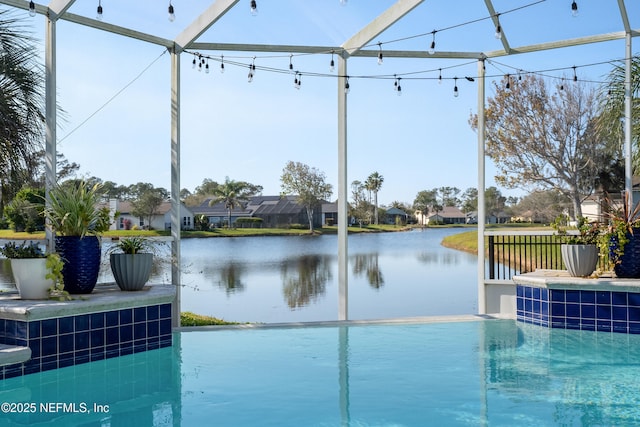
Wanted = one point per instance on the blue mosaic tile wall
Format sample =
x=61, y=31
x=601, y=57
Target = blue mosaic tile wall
x=66, y=341
x=606, y=311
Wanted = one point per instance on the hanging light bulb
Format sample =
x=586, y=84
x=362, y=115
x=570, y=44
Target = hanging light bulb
x=574, y=9
x=332, y=64
x=455, y=87
x=206, y=67
x=221, y=63
x=498, y=34
x=253, y=65
x=380, y=54
x=298, y=81
x=562, y=84
x=172, y=15
x=193, y=64
x=398, y=87
x=575, y=76
x=254, y=8
x=290, y=61
x=508, y=85
x=250, y=75
x=347, y=88
x=99, y=11
x=32, y=8
x=432, y=47
x=440, y=76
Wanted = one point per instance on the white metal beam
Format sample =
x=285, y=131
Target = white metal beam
x=379, y=25
x=343, y=218
x=496, y=23
x=59, y=7
x=624, y=16
x=204, y=22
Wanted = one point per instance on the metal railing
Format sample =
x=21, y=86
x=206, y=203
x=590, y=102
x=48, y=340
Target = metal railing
x=515, y=252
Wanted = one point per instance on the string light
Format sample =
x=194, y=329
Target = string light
x=193, y=64
x=206, y=67
x=574, y=9
x=432, y=48
x=397, y=86
x=575, y=76
x=508, y=85
x=222, y=64
x=99, y=11
x=455, y=87
x=297, y=82
x=32, y=8
x=290, y=61
x=250, y=75
x=562, y=84
x=347, y=88
x=172, y=14
x=332, y=64
x=440, y=76
x=380, y=54
x=254, y=8
x=498, y=34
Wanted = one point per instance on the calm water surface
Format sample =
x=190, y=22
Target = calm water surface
x=295, y=278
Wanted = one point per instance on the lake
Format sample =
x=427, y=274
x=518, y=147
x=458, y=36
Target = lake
x=294, y=278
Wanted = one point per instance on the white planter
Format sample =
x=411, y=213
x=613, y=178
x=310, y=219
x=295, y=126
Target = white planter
x=580, y=260
x=29, y=274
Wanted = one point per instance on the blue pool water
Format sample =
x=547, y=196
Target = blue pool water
x=474, y=373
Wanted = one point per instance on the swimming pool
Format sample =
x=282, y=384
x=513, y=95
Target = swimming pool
x=470, y=373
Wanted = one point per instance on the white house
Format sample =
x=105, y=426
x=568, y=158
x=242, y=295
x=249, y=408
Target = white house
x=161, y=220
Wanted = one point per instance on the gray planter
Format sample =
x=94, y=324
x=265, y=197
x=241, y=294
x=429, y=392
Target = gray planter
x=580, y=260
x=131, y=272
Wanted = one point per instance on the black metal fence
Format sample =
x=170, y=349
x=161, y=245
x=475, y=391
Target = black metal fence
x=515, y=252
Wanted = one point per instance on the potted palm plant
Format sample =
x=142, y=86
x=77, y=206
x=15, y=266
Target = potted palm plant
x=76, y=219
x=621, y=241
x=131, y=259
x=33, y=271
x=579, y=251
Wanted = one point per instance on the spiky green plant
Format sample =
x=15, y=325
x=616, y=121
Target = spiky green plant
x=74, y=210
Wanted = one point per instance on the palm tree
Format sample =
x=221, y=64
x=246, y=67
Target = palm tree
x=22, y=106
x=612, y=108
x=234, y=194
x=373, y=184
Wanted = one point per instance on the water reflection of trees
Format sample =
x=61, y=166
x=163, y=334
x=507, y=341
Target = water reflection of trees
x=304, y=278
x=440, y=259
x=367, y=264
x=230, y=278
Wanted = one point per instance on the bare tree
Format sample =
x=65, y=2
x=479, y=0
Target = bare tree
x=543, y=139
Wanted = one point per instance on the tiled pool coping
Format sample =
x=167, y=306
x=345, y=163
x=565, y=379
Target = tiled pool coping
x=106, y=323
x=552, y=298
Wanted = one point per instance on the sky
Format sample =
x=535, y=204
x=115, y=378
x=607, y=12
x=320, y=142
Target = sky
x=116, y=90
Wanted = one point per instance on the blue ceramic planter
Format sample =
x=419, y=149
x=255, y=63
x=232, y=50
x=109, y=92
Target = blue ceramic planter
x=81, y=258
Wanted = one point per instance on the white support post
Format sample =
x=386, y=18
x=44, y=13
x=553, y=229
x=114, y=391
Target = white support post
x=51, y=118
x=482, y=303
x=343, y=219
x=175, y=185
x=628, y=166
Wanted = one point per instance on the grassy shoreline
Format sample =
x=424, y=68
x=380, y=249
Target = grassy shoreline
x=220, y=232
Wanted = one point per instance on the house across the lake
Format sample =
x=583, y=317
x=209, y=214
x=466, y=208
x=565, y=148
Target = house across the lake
x=161, y=219
x=274, y=211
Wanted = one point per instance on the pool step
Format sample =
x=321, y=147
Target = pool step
x=12, y=354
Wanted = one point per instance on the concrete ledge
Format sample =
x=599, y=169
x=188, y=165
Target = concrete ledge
x=103, y=298
x=11, y=354
x=560, y=279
